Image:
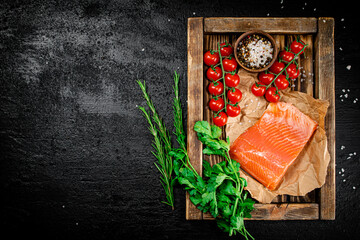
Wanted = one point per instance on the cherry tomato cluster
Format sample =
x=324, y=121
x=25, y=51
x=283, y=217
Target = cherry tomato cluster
x=278, y=76
x=223, y=77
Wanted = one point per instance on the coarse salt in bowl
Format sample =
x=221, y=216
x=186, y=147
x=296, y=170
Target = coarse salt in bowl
x=255, y=51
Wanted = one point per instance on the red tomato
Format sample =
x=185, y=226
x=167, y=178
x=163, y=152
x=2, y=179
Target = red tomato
x=281, y=82
x=229, y=64
x=271, y=95
x=232, y=111
x=234, y=96
x=297, y=47
x=216, y=88
x=258, y=90
x=232, y=80
x=292, y=71
x=221, y=119
x=226, y=49
x=214, y=75
x=266, y=78
x=216, y=105
x=277, y=67
x=286, y=56
x=211, y=59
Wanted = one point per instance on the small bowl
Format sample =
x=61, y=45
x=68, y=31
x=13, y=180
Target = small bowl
x=264, y=34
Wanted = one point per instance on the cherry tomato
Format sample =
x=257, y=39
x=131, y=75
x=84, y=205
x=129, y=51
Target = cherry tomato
x=232, y=111
x=292, y=71
x=234, y=96
x=277, y=67
x=229, y=64
x=297, y=47
x=226, y=49
x=281, y=82
x=271, y=95
x=216, y=105
x=266, y=78
x=221, y=119
x=216, y=88
x=211, y=59
x=214, y=75
x=258, y=90
x=232, y=80
x=286, y=56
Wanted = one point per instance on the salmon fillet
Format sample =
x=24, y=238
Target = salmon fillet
x=271, y=145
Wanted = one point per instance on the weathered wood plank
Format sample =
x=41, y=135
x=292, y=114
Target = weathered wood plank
x=325, y=89
x=195, y=102
x=269, y=25
x=284, y=211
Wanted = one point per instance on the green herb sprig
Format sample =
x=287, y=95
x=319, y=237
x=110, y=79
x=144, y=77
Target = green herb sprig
x=162, y=147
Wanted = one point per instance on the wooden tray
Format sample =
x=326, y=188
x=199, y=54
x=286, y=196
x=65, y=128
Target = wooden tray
x=203, y=35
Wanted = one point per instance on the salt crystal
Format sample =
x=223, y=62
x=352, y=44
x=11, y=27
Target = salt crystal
x=343, y=170
x=342, y=100
x=344, y=180
x=342, y=147
x=324, y=20
x=340, y=48
x=348, y=158
x=343, y=175
x=342, y=19
x=350, y=154
x=346, y=95
x=194, y=13
x=341, y=96
x=143, y=49
x=348, y=67
x=343, y=90
x=268, y=14
x=348, y=90
x=339, y=172
x=354, y=187
x=314, y=9
x=293, y=85
x=354, y=153
x=169, y=20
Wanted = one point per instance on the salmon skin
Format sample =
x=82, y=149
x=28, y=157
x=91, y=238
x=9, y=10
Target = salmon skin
x=271, y=145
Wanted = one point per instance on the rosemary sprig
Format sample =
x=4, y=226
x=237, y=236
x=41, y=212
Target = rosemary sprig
x=179, y=127
x=162, y=147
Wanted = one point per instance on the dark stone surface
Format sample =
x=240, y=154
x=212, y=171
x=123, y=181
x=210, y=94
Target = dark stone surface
x=75, y=150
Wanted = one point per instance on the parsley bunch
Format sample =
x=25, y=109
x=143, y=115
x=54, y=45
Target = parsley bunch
x=221, y=190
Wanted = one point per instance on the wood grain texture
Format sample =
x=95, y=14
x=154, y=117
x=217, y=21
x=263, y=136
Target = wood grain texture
x=325, y=82
x=195, y=102
x=270, y=25
x=284, y=211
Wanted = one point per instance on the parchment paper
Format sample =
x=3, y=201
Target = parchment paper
x=309, y=169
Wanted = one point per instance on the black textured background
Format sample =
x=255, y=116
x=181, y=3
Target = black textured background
x=75, y=150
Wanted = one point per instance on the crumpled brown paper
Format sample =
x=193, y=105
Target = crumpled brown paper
x=309, y=169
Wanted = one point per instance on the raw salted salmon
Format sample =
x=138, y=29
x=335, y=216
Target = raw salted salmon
x=270, y=146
